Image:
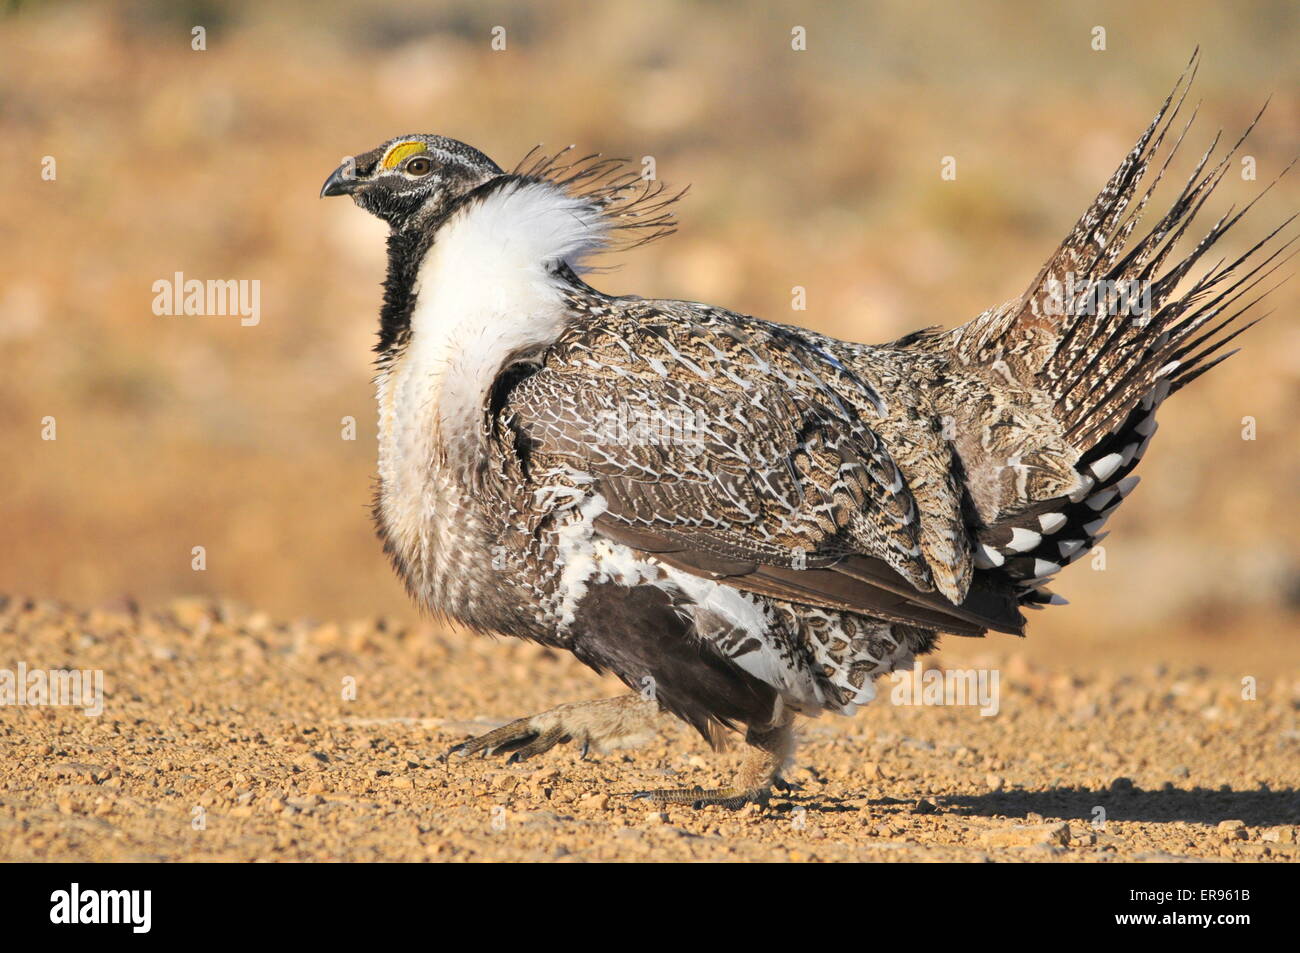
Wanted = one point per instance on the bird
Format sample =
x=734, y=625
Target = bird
x=749, y=522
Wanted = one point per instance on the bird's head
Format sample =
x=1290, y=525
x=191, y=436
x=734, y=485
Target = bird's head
x=411, y=178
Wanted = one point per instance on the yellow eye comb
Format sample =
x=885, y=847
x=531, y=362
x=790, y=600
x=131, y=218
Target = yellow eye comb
x=400, y=151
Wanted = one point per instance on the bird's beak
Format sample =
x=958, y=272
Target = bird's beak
x=342, y=181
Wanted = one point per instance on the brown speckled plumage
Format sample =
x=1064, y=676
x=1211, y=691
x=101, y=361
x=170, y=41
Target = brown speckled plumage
x=740, y=518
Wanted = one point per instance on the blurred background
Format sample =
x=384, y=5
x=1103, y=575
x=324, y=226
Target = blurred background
x=817, y=168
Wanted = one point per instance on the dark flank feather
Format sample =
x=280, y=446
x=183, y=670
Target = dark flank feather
x=645, y=638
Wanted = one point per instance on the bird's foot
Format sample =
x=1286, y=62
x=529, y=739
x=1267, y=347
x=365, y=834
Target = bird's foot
x=601, y=726
x=732, y=798
x=522, y=738
x=769, y=750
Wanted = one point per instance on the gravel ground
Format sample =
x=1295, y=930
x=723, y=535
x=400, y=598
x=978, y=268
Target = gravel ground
x=230, y=736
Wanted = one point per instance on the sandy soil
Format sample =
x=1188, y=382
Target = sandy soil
x=225, y=735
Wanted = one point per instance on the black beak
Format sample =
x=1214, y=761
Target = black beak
x=342, y=181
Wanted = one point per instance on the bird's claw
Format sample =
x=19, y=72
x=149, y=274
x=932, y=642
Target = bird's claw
x=598, y=726
x=520, y=737
x=697, y=797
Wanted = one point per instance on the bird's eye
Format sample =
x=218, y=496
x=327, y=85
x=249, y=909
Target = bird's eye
x=418, y=166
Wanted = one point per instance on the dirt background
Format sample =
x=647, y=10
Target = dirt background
x=817, y=169
x=230, y=736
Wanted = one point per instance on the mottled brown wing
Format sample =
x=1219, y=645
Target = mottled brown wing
x=730, y=456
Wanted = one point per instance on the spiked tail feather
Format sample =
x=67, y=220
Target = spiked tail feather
x=1107, y=330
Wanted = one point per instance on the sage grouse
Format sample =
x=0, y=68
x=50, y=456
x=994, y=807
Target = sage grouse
x=747, y=521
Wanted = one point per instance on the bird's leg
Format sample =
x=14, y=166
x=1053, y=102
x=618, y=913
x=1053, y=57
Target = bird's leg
x=600, y=726
x=771, y=750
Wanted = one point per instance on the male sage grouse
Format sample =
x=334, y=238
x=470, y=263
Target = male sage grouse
x=747, y=521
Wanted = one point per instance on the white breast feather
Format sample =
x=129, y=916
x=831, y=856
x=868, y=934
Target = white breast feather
x=484, y=292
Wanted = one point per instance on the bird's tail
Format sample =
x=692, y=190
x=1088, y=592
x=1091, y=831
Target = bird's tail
x=1101, y=326
x=1104, y=334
